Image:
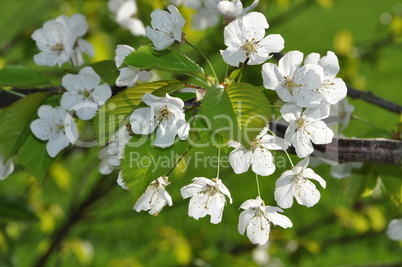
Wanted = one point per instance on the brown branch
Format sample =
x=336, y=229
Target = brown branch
x=344, y=150
x=369, y=97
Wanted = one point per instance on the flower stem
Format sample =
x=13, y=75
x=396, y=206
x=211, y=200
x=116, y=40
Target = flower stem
x=258, y=185
x=241, y=72
x=363, y=120
x=219, y=163
x=205, y=57
x=12, y=92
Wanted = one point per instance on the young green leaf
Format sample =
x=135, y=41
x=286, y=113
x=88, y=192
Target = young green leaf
x=147, y=58
x=15, y=121
x=239, y=112
x=36, y=165
x=21, y=77
x=106, y=70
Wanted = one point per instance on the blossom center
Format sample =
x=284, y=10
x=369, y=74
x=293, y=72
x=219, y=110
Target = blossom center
x=250, y=46
x=301, y=122
x=290, y=84
x=58, y=47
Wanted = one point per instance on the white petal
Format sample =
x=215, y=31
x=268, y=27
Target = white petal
x=142, y=121
x=57, y=144
x=233, y=56
x=312, y=58
x=244, y=220
x=128, y=76
x=272, y=43
x=283, y=191
x=6, y=168
x=334, y=90
x=86, y=110
x=306, y=193
x=272, y=77
x=258, y=230
x=302, y=143
x=122, y=51
x=273, y=142
x=276, y=218
x=330, y=65
x=101, y=94
x=262, y=162
x=251, y=203
x=309, y=173
x=290, y=112
x=320, y=133
x=290, y=62
x=70, y=100
x=240, y=160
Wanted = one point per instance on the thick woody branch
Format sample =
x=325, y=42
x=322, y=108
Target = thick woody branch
x=344, y=150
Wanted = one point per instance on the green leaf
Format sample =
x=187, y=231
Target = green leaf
x=116, y=111
x=147, y=58
x=106, y=70
x=391, y=180
x=143, y=162
x=37, y=164
x=239, y=112
x=361, y=183
x=21, y=77
x=13, y=208
x=15, y=122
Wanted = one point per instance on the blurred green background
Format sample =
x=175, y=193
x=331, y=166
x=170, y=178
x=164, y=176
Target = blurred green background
x=341, y=230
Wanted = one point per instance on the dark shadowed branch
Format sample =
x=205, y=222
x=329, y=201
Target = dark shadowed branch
x=344, y=150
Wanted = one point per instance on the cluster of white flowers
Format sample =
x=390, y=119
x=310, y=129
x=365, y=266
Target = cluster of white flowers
x=308, y=90
x=83, y=95
x=60, y=41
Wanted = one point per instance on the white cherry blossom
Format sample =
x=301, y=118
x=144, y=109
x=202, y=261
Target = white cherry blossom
x=229, y=8
x=258, y=156
x=166, y=27
x=394, y=229
x=306, y=128
x=6, y=168
x=293, y=82
x=207, y=198
x=56, y=126
x=128, y=75
x=84, y=93
x=59, y=41
x=155, y=197
x=125, y=12
x=257, y=218
x=333, y=89
x=164, y=113
x=295, y=183
x=245, y=40
x=55, y=42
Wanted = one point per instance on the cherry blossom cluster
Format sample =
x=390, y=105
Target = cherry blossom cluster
x=60, y=41
x=308, y=88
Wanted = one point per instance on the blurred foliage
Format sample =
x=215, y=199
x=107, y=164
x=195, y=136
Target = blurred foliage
x=344, y=228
